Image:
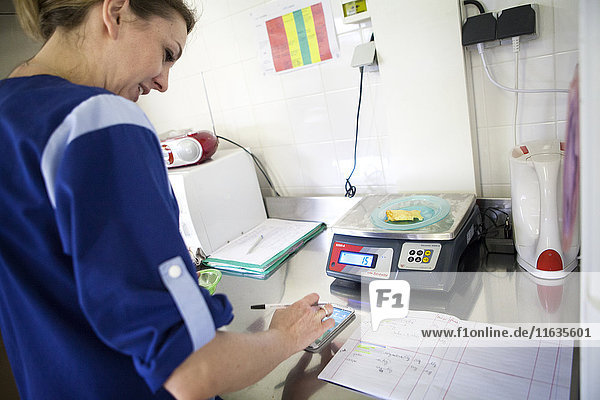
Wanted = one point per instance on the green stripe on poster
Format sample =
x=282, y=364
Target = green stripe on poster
x=302, y=39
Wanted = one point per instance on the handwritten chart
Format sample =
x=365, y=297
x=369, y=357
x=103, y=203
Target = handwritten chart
x=295, y=34
x=393, y=363
x=299, y=38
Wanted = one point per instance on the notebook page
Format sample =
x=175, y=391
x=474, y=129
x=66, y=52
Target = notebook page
x=277, y=235
x=392, y=363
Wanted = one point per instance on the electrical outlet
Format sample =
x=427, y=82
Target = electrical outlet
x=479, y=28
x=521, y=21
x=364, y=55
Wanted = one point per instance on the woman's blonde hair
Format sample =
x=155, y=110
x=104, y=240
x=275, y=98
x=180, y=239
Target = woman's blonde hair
x=40, y=18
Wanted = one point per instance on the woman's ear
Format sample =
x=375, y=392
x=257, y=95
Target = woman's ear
x=112, y=14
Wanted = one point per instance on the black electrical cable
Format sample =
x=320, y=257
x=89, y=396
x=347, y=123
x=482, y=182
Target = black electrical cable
x=259, y=164
x=496, y=225
x=495, y=211
x=476, y=4
x=351, y=189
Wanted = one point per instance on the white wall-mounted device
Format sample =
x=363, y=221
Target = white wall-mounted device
x=364, y=55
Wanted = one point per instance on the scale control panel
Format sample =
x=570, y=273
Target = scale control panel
x=419, y=256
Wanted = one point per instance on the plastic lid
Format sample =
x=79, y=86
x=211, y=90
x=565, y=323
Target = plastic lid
x=433, y=209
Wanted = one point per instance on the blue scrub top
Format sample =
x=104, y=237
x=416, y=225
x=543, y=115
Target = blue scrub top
x=98, y=292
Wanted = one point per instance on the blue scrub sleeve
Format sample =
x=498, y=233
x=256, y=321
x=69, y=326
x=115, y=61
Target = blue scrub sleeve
x=118, y=220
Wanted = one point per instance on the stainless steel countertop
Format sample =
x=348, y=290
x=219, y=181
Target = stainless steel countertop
x=497, y=291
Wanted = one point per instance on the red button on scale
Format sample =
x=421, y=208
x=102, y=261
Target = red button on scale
x=549, y=260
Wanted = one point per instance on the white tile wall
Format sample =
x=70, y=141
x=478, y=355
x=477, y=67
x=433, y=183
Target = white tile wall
x=303, y=81
x=310, y=119
x=275, y=124
x=302, y=123
x=368, y=174
x=319, y=164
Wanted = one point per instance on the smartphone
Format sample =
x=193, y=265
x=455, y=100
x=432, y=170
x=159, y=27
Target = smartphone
x=342, y=316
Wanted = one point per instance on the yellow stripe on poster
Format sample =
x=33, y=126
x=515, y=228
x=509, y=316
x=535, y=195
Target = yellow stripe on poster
x=311, y=34
x=292, y=37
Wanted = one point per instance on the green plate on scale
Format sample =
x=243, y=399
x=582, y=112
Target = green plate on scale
x=433, y=209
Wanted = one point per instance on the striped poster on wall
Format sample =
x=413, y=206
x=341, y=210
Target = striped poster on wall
x=299, y=38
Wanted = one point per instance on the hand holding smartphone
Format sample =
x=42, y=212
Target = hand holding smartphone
x=342, y=316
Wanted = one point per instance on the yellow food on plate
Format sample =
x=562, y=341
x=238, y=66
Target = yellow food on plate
x=403, y=215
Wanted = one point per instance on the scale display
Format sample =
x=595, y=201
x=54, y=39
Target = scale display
x=365, y=260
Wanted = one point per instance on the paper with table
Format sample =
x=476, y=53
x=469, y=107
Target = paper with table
x=393, y=363
x=263, y=248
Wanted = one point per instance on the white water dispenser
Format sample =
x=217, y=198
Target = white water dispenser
x=536, y=174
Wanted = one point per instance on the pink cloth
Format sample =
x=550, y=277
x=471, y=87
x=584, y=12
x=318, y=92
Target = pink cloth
x=571, y=165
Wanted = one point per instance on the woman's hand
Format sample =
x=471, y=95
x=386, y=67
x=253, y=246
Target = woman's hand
x=302, y=322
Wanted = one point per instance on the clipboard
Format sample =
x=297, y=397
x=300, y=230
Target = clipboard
x=258, y=252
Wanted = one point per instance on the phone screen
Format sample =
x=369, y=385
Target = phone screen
x=338, y=315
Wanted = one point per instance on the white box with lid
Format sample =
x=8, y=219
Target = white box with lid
x=219, y=200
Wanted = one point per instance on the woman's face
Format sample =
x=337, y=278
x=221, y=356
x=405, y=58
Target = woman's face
x=143, y=54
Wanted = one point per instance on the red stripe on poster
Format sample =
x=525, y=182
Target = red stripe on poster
x=280, y=49
x=321, y=30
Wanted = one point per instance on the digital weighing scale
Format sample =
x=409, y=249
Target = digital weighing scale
x=425, y=253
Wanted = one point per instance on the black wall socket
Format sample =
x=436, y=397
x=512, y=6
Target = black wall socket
x=479, y=28
x=516, y=21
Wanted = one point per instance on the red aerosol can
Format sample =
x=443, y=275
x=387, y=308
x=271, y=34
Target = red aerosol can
x=188, y=148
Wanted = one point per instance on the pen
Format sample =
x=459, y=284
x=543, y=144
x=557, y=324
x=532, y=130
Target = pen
x=268, y=306
x=258, y=239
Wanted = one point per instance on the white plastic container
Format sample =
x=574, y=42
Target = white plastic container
x=536, y=170
x=218, y=200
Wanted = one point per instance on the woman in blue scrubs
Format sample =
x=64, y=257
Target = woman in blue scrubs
x=99, y=296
